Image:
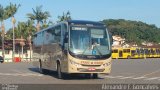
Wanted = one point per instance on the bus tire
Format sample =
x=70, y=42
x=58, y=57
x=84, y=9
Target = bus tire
x=59, y=73
x=128, y=57
x=2, y=61
x=95, y=76
x=41, y=70
x=87, y=75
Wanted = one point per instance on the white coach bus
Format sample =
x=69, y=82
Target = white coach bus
x=74, y=46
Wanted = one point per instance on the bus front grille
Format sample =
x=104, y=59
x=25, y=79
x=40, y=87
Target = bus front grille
x=91, y=65
x=87, y=70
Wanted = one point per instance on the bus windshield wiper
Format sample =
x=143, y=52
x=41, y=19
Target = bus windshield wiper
x=85, y=50
x=98, y=50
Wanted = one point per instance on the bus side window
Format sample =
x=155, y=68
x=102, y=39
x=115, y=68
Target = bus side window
x=64, y=37
x=58, y=33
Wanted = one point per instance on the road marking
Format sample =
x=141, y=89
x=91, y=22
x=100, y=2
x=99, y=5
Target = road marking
x=153, y=78
x=151, y=73
x=133, y=77
x=109, y=76
x=127, y=77
x=139, y=77
x=20, y=74
x=115, y=77
x=17, y=71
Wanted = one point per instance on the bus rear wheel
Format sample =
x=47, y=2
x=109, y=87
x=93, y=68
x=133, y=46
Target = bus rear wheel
x=41, y=70
x=128, y=57
x=59, y=73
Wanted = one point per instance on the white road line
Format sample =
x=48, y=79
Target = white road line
x=114, y=76
x=20, y=74
x=119, y=76
x=151, y=73
x=139, y=77
x=153, y=78
x=109, y=76
x=127, y=77
x=133, y=77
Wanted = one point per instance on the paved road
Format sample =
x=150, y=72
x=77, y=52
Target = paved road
x=134, y=71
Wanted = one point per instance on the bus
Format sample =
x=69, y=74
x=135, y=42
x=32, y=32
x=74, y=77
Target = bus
x=127, y=53
x=122, y=53
x=135, y=53
x=73, y=47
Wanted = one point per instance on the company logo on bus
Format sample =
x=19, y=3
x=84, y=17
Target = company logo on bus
x=91, y=63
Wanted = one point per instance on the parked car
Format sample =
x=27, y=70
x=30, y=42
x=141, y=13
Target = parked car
x=1, y=59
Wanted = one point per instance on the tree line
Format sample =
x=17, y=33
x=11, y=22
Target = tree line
x=134, y=32
x=37, y=20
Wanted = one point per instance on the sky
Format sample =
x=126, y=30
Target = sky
x=95, y=10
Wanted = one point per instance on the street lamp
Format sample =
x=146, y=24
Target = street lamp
x=13, y=24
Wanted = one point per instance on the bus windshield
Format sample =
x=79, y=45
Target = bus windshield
x=89, y=41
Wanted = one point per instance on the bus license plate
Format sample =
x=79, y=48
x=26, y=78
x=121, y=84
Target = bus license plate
x=91, y=69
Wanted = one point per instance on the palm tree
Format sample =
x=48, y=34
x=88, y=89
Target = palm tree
x=39, y=16
x=6, y=13
x=2, y=18
x=30, y=28
x=19, y=31
x=46, y=24
x=30, y=31
x=10, y=11
x=64, y=17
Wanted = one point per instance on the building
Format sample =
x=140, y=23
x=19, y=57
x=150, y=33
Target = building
x=22, y=51
x=118, y=41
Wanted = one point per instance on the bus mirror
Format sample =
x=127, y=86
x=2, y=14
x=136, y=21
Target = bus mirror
x=111, y=38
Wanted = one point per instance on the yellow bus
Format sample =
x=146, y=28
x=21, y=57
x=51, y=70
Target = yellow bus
x=127, y=53
x=158, y=52
x=122, y=53
x=135, y=53
x=72, y=47
x=115, y=53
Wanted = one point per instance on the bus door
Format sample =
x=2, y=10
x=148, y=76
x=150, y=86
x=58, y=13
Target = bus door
x=142, y=53
x=120, y=53
x=133, y=52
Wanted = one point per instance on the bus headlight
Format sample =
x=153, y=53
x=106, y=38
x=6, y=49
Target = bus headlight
x=74, y=63
x=106, y=64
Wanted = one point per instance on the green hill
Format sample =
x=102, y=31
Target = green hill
x=133, y=31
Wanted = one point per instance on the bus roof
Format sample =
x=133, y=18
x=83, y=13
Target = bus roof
x=77, y=22
x=85, y=22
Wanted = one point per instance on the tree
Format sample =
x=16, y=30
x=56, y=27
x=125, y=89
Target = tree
x=6, y=13
x=11, y=9
x=30, y=31
x=39, y=16
x=3, y=17
x=133, y=31
x=64, y=17
x=49, y=23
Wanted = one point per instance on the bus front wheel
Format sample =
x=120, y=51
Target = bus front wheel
x=95, y=76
